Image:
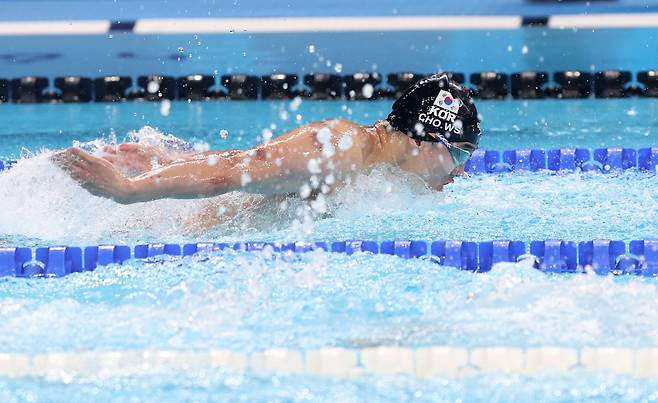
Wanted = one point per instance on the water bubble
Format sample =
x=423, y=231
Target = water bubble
x=181, y=49
x=245, y=179
x=328, y=150
x=315, y=181
x=509, y=48
x=212, y=160
x=419, y=129
x=524, y=50
x=319, y=204
x=338, y=68
x=267, y=135
x=165, y=107
x=295, y=104
x=324, y=135
x=153, y=87
x=345, y=142
x=223, y=134
x=314, y=166
x=305, y=191
x=368, y=90
x=283, y=114
x=311, y=48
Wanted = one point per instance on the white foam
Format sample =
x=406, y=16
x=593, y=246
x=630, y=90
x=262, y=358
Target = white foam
x=42, y=201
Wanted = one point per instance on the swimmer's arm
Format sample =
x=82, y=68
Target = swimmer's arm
x=197, y=179
x=280, y=167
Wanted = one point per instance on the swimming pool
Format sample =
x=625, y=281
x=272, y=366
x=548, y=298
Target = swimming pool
x=247, y=303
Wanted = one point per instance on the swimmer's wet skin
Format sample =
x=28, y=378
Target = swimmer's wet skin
x=432, y=130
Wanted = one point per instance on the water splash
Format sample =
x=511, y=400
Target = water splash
x=46, y=205
x=250, y=301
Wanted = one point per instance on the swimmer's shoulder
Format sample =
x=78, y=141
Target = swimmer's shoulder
x=344, y=127
x=340, y=124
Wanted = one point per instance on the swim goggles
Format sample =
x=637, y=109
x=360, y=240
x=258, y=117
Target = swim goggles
x=459, y=155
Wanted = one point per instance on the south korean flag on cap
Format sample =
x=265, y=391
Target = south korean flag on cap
x=446, y=101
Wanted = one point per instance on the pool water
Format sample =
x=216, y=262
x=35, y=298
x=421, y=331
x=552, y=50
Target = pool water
x=253, y=301
x=507, y=125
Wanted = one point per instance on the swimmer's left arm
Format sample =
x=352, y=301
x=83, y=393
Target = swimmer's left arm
x=279, y=167
x=187, y=179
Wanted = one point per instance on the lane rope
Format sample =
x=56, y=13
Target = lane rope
x=335, y=362
x=601, y=256
x=604, y=160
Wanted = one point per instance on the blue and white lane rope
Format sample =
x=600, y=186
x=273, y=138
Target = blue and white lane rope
x=601, y=256
x=604, y=160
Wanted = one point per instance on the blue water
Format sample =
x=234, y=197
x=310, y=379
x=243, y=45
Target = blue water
x=511, y=124
x=234, y=387
x=248, y=302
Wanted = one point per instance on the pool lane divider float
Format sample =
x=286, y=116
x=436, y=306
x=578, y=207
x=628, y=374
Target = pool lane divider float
x=336, y=362
x=603, y=160
x=5, y=165
x=603, y=257
x=363, y=85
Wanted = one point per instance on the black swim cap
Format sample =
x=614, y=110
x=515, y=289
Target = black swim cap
x=435, y=106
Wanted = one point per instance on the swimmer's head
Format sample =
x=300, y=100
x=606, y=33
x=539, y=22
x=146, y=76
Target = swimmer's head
x=437, y=109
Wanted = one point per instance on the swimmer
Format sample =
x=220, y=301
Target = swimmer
x=431, y=132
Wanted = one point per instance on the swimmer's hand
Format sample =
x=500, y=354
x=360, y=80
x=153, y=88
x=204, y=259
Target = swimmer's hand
x=137, y=157
x=98, y=176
